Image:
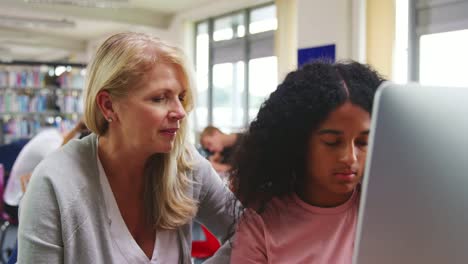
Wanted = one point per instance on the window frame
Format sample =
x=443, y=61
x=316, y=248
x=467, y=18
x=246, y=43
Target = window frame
x=247, y=40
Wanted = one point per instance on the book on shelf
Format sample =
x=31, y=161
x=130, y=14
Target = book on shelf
x=32, y=96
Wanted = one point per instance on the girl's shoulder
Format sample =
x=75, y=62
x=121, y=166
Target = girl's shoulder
x=260, y=225
x=272, y=210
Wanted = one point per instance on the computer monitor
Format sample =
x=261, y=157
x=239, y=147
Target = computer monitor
x=414, y=203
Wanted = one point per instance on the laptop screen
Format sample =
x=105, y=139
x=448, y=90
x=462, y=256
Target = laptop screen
x=414, y=204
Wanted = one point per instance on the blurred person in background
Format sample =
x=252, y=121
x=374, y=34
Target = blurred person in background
x=219, y=147
x=43, y=143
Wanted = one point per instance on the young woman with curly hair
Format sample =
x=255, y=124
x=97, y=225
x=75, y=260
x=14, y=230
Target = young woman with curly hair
x=298, y=169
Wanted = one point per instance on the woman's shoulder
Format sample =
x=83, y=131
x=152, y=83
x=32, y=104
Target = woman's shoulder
x=205, y=179
x=68, y=163
x=200, y=166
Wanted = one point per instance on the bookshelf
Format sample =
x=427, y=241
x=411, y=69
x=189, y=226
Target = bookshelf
x=36, y=94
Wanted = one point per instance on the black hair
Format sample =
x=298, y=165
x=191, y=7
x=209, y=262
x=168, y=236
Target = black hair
x=270, y=161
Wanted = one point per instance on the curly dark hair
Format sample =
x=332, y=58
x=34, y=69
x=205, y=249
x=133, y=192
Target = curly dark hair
x=270, y=161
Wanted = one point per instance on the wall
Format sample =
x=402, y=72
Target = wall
x=339, y=22
x=286, y=37
x=381, y=35
x=323, y=23
x=362, y=30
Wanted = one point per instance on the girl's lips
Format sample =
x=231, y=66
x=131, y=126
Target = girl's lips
x=345, y=176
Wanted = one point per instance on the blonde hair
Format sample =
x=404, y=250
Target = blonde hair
x=118, y=66
x=209, y=131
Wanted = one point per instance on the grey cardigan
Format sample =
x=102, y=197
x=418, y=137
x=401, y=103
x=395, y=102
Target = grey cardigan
x=63, y=215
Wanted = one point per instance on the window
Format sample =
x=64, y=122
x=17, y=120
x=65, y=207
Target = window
x=236, y=68
x=438, y=35
x=443, y=58
x=262, y=81
x=202, y=66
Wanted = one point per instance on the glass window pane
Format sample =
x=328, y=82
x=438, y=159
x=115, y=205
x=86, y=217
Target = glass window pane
x=263, y=19
x=443, y=58
x=229, y=27
x=263, y=79
x=228, y=94
x=202, y=67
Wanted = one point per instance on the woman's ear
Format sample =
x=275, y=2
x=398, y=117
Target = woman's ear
x=104, y=102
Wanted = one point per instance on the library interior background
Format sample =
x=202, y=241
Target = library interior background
x=239, y=50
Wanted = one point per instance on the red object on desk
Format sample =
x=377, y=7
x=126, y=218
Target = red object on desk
x=3, y=215
x=207, y=248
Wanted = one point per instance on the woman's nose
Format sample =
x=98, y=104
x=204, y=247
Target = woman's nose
x=177, y=112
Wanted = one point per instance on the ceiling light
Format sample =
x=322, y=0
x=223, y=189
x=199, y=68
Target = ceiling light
x=84, y=3
x=5, y=49
x=34, y=22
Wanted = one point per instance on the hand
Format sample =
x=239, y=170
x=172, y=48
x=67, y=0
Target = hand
x=216, y=157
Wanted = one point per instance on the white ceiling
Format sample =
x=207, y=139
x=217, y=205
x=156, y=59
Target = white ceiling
x=33, y=31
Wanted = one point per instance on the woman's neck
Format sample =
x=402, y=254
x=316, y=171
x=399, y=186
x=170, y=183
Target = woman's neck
x=124, y=168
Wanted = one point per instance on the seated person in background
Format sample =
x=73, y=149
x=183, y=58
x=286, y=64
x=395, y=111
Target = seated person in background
x=46, y=141
x=220, y=146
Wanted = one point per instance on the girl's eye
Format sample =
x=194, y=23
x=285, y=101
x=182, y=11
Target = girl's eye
x=361, y=143
x=182, y=98
x=331, y=143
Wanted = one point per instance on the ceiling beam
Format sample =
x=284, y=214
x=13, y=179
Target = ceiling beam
x=133, y=16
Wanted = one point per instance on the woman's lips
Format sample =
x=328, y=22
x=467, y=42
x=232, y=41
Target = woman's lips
x=170, y=131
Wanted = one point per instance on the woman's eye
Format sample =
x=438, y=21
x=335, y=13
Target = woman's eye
x=157, y=99
x=181, y=98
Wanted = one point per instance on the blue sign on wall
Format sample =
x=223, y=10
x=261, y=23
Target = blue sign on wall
x=305, y=55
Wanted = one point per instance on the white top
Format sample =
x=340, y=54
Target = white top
x=125, y=248
x=29, y=157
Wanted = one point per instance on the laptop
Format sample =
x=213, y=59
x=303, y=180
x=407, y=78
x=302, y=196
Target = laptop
x=414, y=203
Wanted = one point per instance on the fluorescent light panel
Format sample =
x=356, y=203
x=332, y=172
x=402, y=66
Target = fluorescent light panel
x=34, y=22
x=83, y=3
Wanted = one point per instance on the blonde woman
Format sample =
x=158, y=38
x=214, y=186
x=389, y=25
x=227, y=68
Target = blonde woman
x=128, y=192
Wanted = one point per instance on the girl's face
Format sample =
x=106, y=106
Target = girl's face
x=336, y=155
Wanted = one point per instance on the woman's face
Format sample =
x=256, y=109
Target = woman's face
x=337, y=153
x=149, y=117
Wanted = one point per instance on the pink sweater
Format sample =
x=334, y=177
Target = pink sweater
x=292, y=231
